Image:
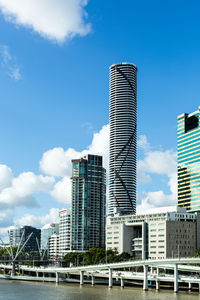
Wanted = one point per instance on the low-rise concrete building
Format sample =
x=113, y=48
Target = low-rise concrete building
x=161, y=233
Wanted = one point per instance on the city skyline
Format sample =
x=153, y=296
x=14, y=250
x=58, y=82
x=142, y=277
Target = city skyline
x=48, y=78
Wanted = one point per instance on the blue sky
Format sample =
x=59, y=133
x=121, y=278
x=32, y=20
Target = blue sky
x=54, y=89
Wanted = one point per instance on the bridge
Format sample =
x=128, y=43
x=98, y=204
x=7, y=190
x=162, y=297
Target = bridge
x=150, y=272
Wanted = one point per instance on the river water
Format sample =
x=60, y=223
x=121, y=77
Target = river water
x=14, y=290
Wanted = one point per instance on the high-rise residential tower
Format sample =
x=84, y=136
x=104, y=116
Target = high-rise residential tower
x=123, y=120
x=189, y=161
x=64, y=232
x=88, y=203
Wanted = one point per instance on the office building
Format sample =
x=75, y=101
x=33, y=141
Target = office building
x=22, y=234
x=189, y=161
x=88, y=203
x=158, y=234
x=64, y=232
x=46, y=232
x=123, y=127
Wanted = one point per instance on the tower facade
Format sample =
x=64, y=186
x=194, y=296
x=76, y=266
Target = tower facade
x=123, y=125
x=88, y=203
x=189, y=161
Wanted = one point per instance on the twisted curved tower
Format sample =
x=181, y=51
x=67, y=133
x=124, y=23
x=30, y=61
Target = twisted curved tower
x=123, y=119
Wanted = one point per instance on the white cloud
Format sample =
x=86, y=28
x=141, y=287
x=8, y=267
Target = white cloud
x=38, y=221
x=55, y=20
x=20, y=192
x=161, y=163
x=8, y=63
x=6, y=177
x=62, y=190
x=142, y=142
x=57, y=161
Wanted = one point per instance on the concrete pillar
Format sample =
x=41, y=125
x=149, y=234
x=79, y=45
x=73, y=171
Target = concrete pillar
x=110, y=278
x=43, y=276
x=176, y=278
x=157, y=284
x=13, y=269
x=81, y=277
x=151, y=270
x=122, y=282
x=57, y=277
x=145, y=282
x=37, y=274
x=190, y=285
x=22, y=272
x=93, y=280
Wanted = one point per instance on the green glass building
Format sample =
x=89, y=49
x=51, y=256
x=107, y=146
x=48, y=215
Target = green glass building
x=189, y=161
x=88, y=203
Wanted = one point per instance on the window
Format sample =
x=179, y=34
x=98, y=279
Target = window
x=153, y=230
x=161, y=229
x=153, y=241
x=109, y=232
x=161, y=241
x=153, y=235
x=161, y=224
x=109, y=243
x=116, y=232
x=161, y=235
x=161, y=246
x=153, y=247
x=116, y=237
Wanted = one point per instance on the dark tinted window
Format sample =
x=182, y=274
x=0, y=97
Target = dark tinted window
x=191, y=123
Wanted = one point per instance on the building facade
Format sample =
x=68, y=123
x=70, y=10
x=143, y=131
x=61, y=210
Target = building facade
x=189, y=161
x=46, y=232
x=88, y=203
x=54, y=247
x=123, y=127
x=20, y=235
x=64, y=232
x=159, y=234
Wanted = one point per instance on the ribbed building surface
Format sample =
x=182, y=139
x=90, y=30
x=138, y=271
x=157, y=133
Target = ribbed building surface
x=189, y=161
x=123, y=120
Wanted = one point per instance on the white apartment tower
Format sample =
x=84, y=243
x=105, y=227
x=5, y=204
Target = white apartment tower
x=64, y=231
x=123, y=122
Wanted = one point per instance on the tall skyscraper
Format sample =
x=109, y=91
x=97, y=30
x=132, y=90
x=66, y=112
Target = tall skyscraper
x=123, y=120
x=88, y=203
x=189, y=161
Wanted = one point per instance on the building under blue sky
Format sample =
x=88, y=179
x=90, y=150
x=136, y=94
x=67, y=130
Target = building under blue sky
x=54, y=93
